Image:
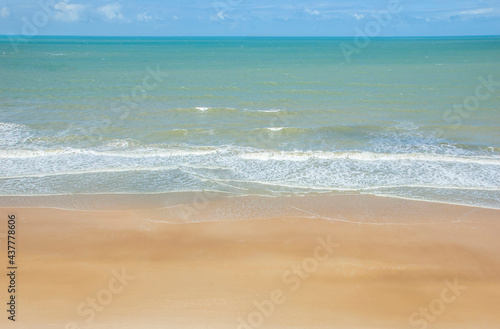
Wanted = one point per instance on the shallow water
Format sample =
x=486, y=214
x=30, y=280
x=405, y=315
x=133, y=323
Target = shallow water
x=268, y=116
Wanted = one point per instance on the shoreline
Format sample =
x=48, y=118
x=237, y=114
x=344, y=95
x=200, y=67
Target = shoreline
x=120, y=201
x=223, y=265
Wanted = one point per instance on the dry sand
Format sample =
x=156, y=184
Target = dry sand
x=257, y=263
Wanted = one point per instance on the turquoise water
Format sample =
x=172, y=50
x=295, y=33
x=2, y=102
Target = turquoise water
x=272, y=116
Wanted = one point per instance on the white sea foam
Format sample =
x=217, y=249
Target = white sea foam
x=245, y=169
x=365, y=156
x=127, y=165
x=270, y=111
x=12, y=134
x=137, y=153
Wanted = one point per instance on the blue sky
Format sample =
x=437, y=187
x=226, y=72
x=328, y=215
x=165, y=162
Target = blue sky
x=250, y=17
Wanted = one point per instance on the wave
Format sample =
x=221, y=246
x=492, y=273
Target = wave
x=131, y=149
x=244, y=160
x=270, y=111
x=366, y=156
x=12, y=134
x=56, y=54
x=400, y=161
x=137, y=153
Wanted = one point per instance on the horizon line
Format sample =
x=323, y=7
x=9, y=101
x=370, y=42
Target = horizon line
x=244, y=36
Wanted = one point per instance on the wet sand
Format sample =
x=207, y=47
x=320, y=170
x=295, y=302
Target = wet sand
x=251, y=262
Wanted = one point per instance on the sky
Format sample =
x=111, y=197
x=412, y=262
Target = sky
x=250, y=17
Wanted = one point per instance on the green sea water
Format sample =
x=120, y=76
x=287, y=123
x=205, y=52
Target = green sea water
x=408, y=117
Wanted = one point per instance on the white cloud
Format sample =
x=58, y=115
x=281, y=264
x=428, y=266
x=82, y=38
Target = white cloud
x=68, y=12
x=476, y=11
x=219, y=17
x=358, y=16
x=144, y=17
x=4, y=12
x=312, y=12
x=111, y=12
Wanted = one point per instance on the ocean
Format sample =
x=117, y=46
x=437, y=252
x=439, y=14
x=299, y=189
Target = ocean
x=414, y=118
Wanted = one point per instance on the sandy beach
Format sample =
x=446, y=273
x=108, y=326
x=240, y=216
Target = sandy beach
x=255, y=262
